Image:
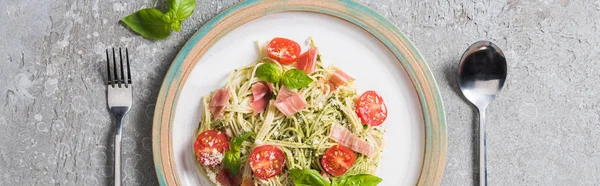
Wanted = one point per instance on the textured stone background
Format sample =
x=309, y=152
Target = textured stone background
x=542, y=130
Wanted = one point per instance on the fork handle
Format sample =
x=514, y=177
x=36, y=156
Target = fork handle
x=117, y=151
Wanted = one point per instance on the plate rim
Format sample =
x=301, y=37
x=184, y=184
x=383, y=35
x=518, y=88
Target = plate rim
x=434, y=159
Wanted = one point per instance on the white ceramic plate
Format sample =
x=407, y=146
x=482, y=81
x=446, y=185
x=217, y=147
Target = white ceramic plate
x=350, y=36
x=340, y=43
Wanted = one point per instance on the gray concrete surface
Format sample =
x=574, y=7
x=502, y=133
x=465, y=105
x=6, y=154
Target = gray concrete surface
x=543, y=129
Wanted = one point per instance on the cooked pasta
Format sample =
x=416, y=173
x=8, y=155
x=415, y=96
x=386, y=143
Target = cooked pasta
x=304, y=136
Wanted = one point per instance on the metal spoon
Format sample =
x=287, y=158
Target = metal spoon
x=481, y=75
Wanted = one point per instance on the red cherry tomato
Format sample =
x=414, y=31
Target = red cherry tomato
x=266, y=161
x=283, y=50
x=210, y=146
x=337, y=160
x=371, y=109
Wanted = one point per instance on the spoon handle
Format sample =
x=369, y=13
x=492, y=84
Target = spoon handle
x=482, y=149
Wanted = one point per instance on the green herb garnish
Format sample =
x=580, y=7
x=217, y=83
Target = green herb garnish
x=154, y=24
x=295, y=79
x=231, y=160
x=310, y=177
x=357, y=179
x=268, y=72
x=292, y=79
x=307, y=177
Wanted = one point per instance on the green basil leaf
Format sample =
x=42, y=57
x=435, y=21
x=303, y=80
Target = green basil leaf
x=236, y=143
x=295, y=79
x=357, y=180
x=169, y=17
x=148, y=23
x=268, y=72
x=182, y=8
x=232, y=162
x=176, y=26
x=307, y=177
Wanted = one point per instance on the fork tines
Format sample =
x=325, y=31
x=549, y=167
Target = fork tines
x=114, y=78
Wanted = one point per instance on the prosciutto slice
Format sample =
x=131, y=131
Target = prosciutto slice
x=339, y=78
x=289, y=102
x=261, y=94
x=259, y=106
x=224, y=178
x=307, y=60
x=219, y=101
x=260, y=90
x=247, y=182
x=345, y=137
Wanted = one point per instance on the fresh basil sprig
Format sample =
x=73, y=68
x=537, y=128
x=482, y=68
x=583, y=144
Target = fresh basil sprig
x=292, y=79
x=357, y=179
x=310, y=177
x=307, y=177
x=232, y=160
x=154, y=24
x=148, y=23
x=268, y=72
x=295, y=79
x=179, y=10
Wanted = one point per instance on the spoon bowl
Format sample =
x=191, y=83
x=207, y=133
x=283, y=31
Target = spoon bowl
x=481, y=76
x=482, y=72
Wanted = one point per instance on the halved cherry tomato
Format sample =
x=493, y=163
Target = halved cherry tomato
x=371, y=109
x=266, y=161
x=210, y=146
x=337, y=160
x=283, y=50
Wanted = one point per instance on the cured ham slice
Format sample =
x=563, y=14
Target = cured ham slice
x=219, y=101
x=284, y=93
x=345, y=137
x=260, y=90
x=325, y=175
x=307, y=60
x=339, y=78
x=220, y=98
x=261, y=94
x=224, y=178
x=247, y=182
x=259, y=106
x=289, y=102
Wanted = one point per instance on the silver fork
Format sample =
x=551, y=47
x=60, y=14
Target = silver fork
x=119, y=96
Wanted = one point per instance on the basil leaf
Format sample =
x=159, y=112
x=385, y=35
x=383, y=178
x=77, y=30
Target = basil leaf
x=181, y=9
x=148, y=23
x=307, y=177
x=236, y=143
x=176, y=26
x=169, y=17
x=231, y=160
x=268, y=72
x=357, y=180
x=295, y=79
